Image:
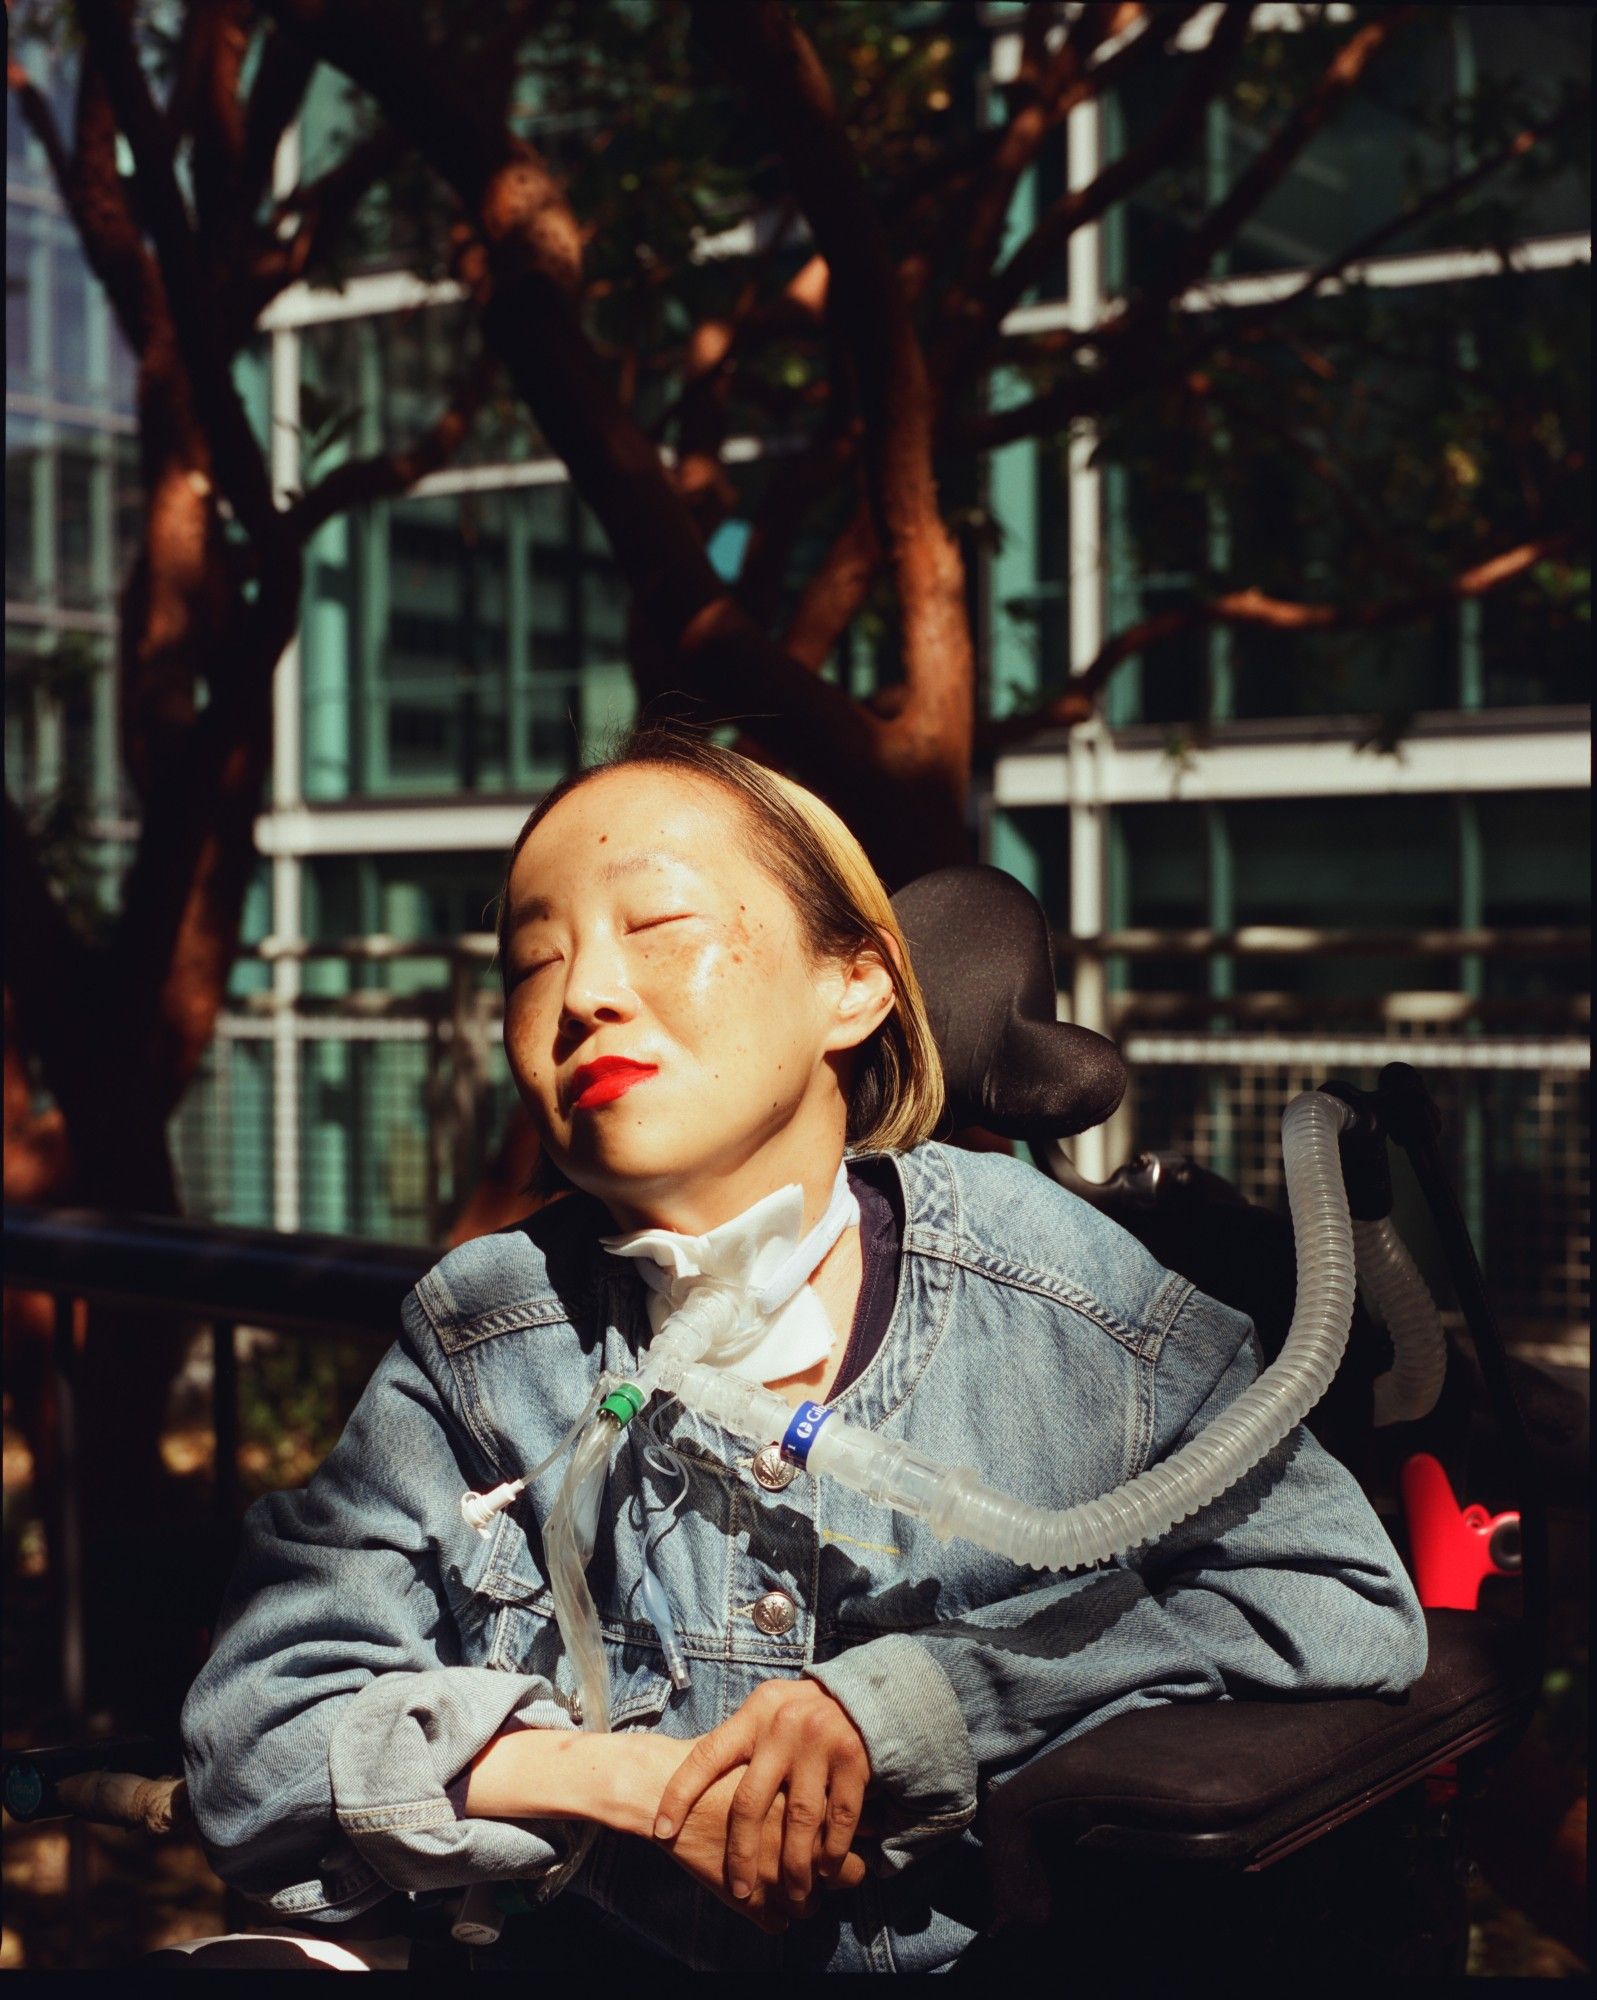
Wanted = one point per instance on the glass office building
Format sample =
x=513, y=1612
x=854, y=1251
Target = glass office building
x=1245, y=893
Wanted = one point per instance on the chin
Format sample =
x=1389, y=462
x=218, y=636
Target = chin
x=622, y=1171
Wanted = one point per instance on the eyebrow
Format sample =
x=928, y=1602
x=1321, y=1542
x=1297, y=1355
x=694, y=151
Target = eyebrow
x=536, y=907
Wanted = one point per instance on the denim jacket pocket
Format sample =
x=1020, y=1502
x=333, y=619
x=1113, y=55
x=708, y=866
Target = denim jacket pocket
x=490, y=1581
x=639, y=1693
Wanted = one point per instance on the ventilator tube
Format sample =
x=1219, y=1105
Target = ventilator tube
x=1398, y=1297
x=955, y=1501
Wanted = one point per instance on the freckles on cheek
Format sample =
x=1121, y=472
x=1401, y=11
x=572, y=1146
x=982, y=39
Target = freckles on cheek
x=702, y=968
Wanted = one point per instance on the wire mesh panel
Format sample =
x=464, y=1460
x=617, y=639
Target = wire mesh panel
x=222, y=1134
x=364, y=1167
x=1514, y=1134
x=396, y=1116
x=1538, y=1206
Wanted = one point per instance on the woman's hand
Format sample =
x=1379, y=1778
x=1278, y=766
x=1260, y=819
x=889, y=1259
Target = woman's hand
x=702, y=1847
x=794, y=1738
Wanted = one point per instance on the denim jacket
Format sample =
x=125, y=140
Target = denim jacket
x=371, y=1642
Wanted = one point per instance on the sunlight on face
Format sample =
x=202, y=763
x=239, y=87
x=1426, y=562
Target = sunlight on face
x=664, y=1022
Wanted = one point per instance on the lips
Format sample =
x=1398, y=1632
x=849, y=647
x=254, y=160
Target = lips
x=608, y=1078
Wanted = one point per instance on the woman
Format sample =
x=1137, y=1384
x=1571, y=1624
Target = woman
x=708, y=1002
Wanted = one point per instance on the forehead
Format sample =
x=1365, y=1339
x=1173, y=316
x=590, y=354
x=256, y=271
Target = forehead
x=629, y=821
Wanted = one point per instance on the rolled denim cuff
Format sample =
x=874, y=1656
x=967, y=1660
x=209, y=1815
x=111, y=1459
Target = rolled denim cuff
x=923, y=1769
x=396, y=1748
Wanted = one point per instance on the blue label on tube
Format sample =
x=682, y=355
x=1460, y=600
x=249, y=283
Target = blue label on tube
x=802, y=1432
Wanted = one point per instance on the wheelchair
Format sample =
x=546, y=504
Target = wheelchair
x=1250, y=1838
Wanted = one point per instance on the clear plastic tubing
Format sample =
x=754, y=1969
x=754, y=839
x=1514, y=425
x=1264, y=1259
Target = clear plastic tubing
x=568, y=1545
x=1397, y=1295
x=954, y=1501
x=574, y=1520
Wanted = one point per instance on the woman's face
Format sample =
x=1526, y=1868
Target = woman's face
x=665, y=1025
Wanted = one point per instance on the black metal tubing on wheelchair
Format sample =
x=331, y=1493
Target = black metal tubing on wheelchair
x=1412, y=1120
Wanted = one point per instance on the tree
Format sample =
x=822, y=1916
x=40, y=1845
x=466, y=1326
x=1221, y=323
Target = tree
x=684, y=221
x=872, y=351
x=167, y=176
x=865, y=325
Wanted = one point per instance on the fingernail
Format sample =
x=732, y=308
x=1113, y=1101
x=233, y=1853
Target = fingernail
x=740, y=1890
x=662, y=1828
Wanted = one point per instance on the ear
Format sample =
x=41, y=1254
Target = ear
x=862, y=997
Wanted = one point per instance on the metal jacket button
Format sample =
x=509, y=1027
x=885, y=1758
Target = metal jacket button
x=772, y=1470
x=775, y=1614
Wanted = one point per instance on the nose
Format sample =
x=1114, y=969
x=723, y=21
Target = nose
x=597, y=988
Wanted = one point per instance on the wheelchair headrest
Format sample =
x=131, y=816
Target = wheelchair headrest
x=981, y=949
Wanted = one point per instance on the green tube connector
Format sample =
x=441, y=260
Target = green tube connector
x=623, y=1403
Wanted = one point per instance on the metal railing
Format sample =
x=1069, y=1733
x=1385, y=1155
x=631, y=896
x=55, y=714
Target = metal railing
x=308, y=1286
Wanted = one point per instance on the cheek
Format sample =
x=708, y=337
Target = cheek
x=707, y=977
x=525, y=1043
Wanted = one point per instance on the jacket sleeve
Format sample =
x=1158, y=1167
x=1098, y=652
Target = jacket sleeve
x=334, y=1710
x=1285, y=1584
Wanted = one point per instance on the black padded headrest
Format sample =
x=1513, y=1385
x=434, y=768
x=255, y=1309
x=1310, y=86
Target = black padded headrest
x=981, y=949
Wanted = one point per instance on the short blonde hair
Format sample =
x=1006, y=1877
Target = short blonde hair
x=896, y=1096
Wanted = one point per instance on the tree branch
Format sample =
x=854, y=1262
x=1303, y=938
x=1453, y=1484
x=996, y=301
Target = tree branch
x=1050, y=87
x=35, y=108
x=1121, y=176
x=48, y=965
x=1275, y=160
x=1246, y=319
x=1083, y=394
x=221, y=45
x=236, y=456
x=777, y=66
x=92, y=194
x=281, y=80
x=326, y=203
x=776, y=527
x=1254, y=607
x=360, y=481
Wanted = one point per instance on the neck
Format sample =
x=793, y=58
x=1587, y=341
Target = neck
x=695, y=1208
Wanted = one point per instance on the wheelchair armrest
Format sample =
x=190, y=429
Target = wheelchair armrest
x=99, y=1779
x=1244, y=1783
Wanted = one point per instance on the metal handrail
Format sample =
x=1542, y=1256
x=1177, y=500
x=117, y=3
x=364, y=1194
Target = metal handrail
x=300, y=1283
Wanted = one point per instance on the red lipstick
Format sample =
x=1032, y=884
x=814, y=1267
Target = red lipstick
x=603, y=1081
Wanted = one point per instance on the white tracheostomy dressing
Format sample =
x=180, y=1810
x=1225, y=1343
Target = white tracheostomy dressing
x=765, y=1253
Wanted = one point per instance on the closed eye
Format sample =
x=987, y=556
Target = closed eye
x=654, y=923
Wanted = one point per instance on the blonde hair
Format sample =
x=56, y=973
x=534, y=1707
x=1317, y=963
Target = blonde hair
x=896, y=1097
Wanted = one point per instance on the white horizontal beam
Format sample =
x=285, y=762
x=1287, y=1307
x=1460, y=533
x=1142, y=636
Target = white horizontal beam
x=1510, y=760
x=79, y=416
x=554, y=472
x=415, y=827
x=402, y=291
x=358, y=298
x=1430, y=267
x=52, y=617
x=1225, y=1051
x=489, y=478
x=1193, y=35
